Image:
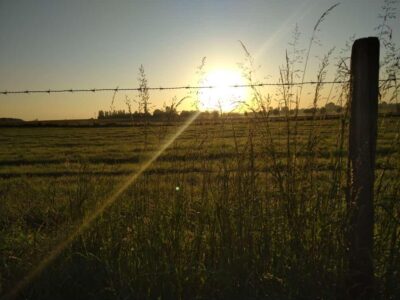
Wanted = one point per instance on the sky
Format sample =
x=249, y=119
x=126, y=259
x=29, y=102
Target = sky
x=92, y=44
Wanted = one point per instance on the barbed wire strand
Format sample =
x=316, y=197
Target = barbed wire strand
x=93, y=90
x=189, y=87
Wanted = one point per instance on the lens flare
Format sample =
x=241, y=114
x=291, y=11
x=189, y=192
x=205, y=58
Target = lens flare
x=27, y=280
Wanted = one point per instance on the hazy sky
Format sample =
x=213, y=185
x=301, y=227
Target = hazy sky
x=87, y=44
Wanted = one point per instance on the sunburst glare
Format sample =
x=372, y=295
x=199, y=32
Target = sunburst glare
x=226, y=90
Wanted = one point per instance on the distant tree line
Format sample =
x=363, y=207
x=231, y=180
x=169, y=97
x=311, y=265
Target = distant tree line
x=170, y=114
x=385, y=107
x=167, y=114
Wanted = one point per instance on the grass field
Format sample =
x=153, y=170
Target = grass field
x=251, y=209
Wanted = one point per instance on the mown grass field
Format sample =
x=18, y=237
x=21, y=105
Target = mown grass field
x=246, y=210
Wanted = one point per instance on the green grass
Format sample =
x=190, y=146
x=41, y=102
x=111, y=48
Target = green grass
x=248, y=221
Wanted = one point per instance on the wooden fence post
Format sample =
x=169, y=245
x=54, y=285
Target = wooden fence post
x=362, y=145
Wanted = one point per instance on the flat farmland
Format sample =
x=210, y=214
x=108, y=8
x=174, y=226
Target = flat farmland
x=61, y=151
x=232, y=208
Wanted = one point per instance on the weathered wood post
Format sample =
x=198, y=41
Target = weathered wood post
x=362, y=144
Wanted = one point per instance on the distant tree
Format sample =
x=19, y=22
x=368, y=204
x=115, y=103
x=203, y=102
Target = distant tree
x=204, y=115
x=100, y=115
x=285, y=109
x=215, y=114
x=185, y=114
x=170, y=110
x=275, y=111
x=158, y=114
x=332, y=107
x=310, y=110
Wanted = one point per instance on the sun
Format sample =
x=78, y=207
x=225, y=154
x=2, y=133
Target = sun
x=223, y=96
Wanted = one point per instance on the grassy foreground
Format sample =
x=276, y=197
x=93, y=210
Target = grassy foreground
x=232, y=210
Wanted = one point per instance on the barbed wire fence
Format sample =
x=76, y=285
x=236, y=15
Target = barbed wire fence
x=188, y=87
